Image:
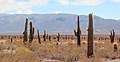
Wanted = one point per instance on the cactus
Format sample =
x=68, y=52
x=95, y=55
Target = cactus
x=2, y=37
x=58, y=37
x=49, y=38
x=31, y=35
x=66, y=37
x=119, y=39
x=44, y=36
x=25, y=33
x=11, y=39
x=90, y=37
x=78, y=33
x=115, y=46
x=112, y=36
x=38, y=36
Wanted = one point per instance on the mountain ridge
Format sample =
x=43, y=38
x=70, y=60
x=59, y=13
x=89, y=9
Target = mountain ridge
x=53, y=23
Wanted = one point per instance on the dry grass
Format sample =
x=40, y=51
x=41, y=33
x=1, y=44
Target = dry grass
x=65, y=51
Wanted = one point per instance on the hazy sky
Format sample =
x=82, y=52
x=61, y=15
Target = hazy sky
x=102, y=8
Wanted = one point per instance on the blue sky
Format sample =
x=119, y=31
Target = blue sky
x=102, y=8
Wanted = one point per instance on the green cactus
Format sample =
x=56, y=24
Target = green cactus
x=66, y=37
x=119, y=39
x=25, y=33
x=112, y=36
x=44, y=36
x=11, y=39
x=38, y=36
x=90, y=37
x=115, y=47
x=31, y=35
x=49, y=38
x=78, y=33
x=58, y=37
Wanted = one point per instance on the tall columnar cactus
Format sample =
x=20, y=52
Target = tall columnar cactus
x=58, y=37
x=11, y=39
x=119, y=39
x=38, y=36
x=49, y=38
x=112, y=35
x=90, y=37
x=66, y=37
x=44, y=35
x=78, y=33
x=25, y=33
x=31, y=35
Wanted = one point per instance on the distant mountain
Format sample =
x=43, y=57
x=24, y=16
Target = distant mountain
x=54, y=23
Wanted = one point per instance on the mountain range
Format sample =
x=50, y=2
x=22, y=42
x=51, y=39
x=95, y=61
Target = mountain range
x=54, y=23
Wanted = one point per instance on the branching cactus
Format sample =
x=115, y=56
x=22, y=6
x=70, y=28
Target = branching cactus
x=25, y=33
x=78, y=33
x=90, y=37
x=58, y=37
x=38, y=36
x=112, y=35
x=44, y=36
x=31, y=35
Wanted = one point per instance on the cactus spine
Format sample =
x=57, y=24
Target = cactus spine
x=44, y=36
x=58, y=37
x=78, y=33
x=31, y=35
x=25, y=33
x=112, y=36
x=38, y=36
x=90, y=37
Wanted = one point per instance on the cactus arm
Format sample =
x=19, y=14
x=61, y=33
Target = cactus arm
x=113, y=33
x=110, y=34
x=75, y=33
x=33, y=30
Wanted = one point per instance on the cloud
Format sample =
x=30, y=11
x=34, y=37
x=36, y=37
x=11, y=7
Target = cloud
x=88, y=2
x=64, y=2
x=116, y=0
x=7, y=5
x=81, y=2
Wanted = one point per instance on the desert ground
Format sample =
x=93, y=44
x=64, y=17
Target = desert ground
x=65, y=50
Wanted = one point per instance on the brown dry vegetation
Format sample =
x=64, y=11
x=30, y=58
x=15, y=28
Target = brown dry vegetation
x=66, y=51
